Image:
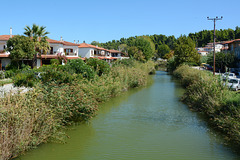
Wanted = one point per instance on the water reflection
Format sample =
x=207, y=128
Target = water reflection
x=145, y=123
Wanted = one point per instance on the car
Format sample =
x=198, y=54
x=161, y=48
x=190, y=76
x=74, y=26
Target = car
x=228, y=75
x=234, y=84
x=207, y=67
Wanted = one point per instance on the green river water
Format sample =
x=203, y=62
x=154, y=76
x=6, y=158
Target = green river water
x=142, y=124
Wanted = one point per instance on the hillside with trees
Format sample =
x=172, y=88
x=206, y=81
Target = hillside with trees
x=165, y=44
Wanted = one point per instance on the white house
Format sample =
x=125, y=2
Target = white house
x=58, y=48
x=90, y=51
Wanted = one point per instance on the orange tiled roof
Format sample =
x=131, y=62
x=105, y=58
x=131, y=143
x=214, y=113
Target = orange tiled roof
x=114, y=51
x=6, y=37
x=62, y=42
x=85, y=45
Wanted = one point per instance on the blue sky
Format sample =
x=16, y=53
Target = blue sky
x=105, y=20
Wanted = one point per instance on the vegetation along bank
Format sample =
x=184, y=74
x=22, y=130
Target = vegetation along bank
x=207, y=94
x=61, y=96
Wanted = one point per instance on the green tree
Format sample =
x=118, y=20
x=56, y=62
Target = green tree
x=137, y=54
x=185, y=51
x=38, y=35
x=145, y=45
x=21, y=47
x=223, y=60
x=123, y=48
x=95, y=43
x=162, y=50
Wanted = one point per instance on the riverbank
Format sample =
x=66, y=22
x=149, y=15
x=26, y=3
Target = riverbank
x=206, y=94
x=39, y=116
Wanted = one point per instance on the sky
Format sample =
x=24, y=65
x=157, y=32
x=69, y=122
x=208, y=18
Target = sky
x=107, y=20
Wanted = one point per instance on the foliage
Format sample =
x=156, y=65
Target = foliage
x=80, y=67
x=145, y=47
x=168, y=55
x=125, y=62
x=223, y=60
x=38, y=116
x=204, y=59
x=136, y=54
x=123, y=48
x=54, y=62
x=99, y=66
x=21, y=47
x=24, y=79
x=206, y=36
x=38, y=35
x=162, y=50
x=185, y=52
x=207, y=94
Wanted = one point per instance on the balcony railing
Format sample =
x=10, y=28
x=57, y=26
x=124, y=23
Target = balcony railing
x=71, y=54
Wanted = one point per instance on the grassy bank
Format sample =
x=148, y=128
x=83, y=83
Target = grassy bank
x=27, y=120
x=206, y=94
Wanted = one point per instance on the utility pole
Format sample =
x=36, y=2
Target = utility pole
x=214, y=37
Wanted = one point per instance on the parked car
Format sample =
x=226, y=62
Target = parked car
x=234, y=84
x=207, y=67
x=228, y=75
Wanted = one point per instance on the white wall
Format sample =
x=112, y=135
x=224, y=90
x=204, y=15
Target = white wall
x=58, y=48
x=84, y=52
x=38, y=63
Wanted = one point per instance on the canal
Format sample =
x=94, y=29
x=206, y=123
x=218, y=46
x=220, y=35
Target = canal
x=142, y=124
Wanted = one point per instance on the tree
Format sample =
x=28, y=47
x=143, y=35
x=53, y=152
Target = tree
x=38, y=35
x=95, y=43
x=162, y=50
x=223, y=60
x=123, y=48
x=137, y=54
x=145, y=45
x=185, y=51
x=21, y=47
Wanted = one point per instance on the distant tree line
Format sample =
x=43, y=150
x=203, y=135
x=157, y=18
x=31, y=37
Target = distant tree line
x=203, y=37
x=164, y=45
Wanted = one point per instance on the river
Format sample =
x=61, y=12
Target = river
x=148, y=123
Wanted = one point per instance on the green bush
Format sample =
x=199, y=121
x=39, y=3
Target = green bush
x=207, y=94
x=99, y=66
x=24, y=79
x=9, y=74
x=80, y=67
x=126, y=62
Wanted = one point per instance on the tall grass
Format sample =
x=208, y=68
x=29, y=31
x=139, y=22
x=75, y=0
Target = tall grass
x=207, y=94
x=27, y=120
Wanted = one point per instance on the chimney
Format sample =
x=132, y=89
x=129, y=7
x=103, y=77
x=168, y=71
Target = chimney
x=83, y=41
x=78, y=42
x=74, y=41
x=61, y=39
x=10, y=32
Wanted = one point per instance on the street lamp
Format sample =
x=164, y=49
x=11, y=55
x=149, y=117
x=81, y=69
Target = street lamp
x=214, y=36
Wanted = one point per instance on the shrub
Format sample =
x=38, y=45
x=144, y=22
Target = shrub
x=99, y=66
x=79, y=67
x=24, y=79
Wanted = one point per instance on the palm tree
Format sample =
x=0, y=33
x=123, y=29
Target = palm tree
x=39, y=36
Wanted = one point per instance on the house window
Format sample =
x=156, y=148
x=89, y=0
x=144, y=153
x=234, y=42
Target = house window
x=68, y=51
x=92, y=53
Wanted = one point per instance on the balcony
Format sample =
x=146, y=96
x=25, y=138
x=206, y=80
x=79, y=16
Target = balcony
x=71, y=54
